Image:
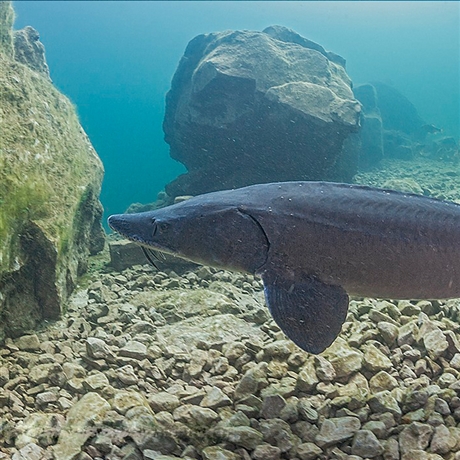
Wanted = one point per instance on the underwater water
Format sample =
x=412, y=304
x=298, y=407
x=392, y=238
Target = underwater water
x=292, y=341
x=115, y=61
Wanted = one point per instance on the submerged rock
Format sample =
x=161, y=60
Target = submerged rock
x=366, y=445
x=415, y=436
x=50, y=179
x=397, y=112
x=248, y=107
x=218, y=453
x=88, y=412
x=336, y=430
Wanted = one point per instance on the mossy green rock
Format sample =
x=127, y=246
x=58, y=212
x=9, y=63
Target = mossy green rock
x=6, y=28
x=50, y=179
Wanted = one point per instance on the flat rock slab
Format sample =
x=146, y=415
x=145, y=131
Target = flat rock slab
x=220, y=328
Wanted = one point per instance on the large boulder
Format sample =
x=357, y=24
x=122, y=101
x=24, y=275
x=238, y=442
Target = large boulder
x=391, y=127
x=249, y=107
x=403, y=128
x=29, y=50
x=398, y=113
x=50, y=179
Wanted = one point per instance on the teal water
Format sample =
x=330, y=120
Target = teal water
x=115, y=61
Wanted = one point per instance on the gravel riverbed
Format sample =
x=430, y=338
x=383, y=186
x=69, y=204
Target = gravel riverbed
x=152, y=365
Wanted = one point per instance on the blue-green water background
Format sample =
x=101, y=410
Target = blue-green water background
x=115, y=61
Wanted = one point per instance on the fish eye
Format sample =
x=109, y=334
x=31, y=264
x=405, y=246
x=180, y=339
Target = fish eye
x=163, y=227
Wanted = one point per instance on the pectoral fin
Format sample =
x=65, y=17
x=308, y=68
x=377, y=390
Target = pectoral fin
x=308, y=311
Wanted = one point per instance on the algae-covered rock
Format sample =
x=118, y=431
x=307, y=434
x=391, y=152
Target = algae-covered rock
x=30, y=51
x=50, y=179
x=6, y=28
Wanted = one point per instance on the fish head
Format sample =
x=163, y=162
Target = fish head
x=200, y=230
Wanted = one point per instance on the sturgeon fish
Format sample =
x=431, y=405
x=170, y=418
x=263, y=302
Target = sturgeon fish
x=313, y=244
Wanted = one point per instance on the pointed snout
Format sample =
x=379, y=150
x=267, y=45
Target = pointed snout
x=117, y=222
x=136, y=227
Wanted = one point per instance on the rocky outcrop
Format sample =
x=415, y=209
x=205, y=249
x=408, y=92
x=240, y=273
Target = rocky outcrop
x=398, y=113
x=29, y=50
x=248, y=107
x=401, y=127
x=392, y=128
x=50, y=178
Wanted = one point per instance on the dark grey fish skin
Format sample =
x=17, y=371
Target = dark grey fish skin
x=312, y=243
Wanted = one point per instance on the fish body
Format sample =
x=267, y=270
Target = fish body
x=313, y=243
